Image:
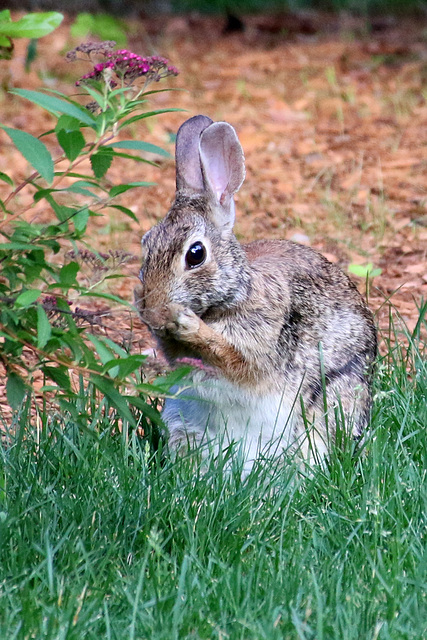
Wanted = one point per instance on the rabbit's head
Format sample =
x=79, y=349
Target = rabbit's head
x=192, y=258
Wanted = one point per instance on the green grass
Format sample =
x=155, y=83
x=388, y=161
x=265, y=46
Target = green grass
x=101, y=539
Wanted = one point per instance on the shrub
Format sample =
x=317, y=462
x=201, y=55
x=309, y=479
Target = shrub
x=40, y=329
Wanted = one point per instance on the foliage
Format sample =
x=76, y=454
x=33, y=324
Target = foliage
x=101, y=538
x=365, y=271
x=101, y=25
x=32, y=25
x=40, y=328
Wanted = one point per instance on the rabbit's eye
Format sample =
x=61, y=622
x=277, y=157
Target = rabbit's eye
x=196, y=255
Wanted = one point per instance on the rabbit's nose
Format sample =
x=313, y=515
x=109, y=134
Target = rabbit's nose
x=155, y=318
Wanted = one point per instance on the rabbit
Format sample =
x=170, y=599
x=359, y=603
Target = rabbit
x=280, y=337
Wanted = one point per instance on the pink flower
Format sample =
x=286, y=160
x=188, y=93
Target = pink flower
x=126, y=66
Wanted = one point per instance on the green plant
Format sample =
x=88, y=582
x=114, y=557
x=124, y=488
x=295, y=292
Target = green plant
x=101, y=539
x=40, y=329
x=365, y=271
x=101, y=25
x=32, y=25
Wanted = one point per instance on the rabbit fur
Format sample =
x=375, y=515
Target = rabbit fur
x=281, y=337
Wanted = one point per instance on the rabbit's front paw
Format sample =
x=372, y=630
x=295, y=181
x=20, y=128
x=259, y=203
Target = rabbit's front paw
x=183, y=323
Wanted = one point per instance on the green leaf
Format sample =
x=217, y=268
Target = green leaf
x=147, y=410
x=82, y=25
x=5, y=16
x=5, y=178
x=364, y=270
x=122, y=353
x=163, y=384
x=172, y=378
x=105, y=355
x=107, y=296
x=44, y=330
x=121, y=188
x=68, y=123
x=33, y=151
x=43, y=193
x=135, y=158
x=72, y=142
x=139, y=145
x=56, y=105
x=81, y=187
x=32, y=25
x=68, y=273
x=101, y=162
x=147, y=114
x=31, y=54
x=80, y=219
x=6, y=48
x=103, y=25
x=59, y=375
x=27, y=298
x=107, y=387
x=63, y=213
x=126, y=366
x=16, y=246
x=97, y=96
x=15, y=390
x=102, y=350
x=124, y=210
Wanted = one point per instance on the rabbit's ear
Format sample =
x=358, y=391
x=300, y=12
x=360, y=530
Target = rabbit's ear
x=223, y=167
x=189, y=176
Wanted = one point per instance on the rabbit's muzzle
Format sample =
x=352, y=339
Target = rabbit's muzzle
x=152, y=303
x=154, y=317
x=172, y=321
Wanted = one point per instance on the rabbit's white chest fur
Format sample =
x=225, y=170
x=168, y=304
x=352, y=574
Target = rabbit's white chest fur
x=216, y=410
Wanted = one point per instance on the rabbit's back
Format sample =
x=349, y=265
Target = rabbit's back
x=327, y=342
x=318, y=303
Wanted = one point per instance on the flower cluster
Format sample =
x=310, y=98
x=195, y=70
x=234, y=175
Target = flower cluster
x=121, y=66
x=89, y=48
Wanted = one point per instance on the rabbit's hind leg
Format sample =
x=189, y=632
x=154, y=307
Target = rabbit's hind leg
x=338, y=411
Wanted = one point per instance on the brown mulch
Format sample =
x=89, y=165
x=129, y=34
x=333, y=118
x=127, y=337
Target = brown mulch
x=333, y=121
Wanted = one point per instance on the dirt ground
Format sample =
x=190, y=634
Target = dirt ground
x=332, y=117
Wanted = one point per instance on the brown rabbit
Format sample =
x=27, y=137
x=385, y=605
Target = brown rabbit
x=283, y=338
